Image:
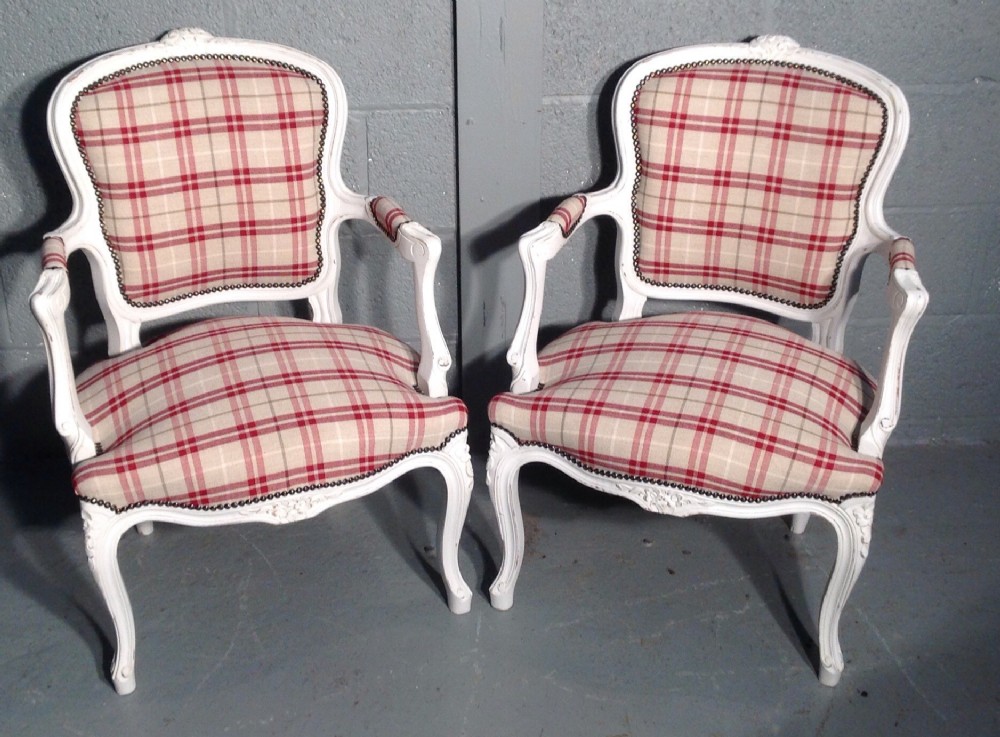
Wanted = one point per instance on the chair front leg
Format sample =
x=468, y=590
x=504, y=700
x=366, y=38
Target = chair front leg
x=502, y=470
x=852, y=520
x=457, y=472
x=103, y=529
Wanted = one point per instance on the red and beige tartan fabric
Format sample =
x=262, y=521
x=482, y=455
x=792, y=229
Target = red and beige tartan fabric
x=207, y=174
x=567, y=215
x=715, y=402
x=388, y=215
x=53, y=254
x=237, y=409
x=749, y=177
x=902, y=254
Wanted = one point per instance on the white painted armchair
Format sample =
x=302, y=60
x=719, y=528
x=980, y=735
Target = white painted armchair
x=750, y=176
x=207, y=170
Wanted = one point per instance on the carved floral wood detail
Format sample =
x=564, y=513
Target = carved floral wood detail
x=774, y=47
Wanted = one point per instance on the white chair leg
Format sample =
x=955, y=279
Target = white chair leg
x=853, y=522
x=457, y=472
x=145, y=528
x=799, y=522
x=102, y=530
x=502, y=472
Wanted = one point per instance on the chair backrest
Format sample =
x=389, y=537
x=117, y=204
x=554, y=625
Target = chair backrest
x=203, y=170
x=754, y=172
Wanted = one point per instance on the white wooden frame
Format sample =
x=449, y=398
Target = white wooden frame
x=82, y=231
x=103, y=529
x=851, y=518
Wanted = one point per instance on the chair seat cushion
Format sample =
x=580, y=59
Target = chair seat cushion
x=719, y=403
x=237, y=409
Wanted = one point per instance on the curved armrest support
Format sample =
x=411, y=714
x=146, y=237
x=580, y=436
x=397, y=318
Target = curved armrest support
x=537, y=247
x=907, y=300
x=422, y=249
x=49, y=301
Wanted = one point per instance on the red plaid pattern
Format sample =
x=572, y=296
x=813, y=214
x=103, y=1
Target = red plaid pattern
x=567, y=215
x=902, y=254
x=235, y=409
x=389, y=216
x=53, y=254
x=720, y=403
x=749, y=177
x=208, y=174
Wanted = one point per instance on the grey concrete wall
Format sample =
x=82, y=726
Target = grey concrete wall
x=499, y=90
x=945, y=196
x=397, y=64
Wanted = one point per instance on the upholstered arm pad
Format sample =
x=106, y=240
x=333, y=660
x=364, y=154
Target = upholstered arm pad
x=49, y=301
x=902, y=254
x=567, y=215
x=907, y=302
x=388, y=216
x=53, y=254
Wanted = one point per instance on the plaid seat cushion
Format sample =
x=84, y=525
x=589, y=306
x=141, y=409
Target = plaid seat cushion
x=207, y=174
x=716, y=402
x=237, y=409
x=749, y=177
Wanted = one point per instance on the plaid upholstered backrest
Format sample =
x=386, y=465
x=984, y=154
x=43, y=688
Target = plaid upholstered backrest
x=207, y=173
x=749, y=176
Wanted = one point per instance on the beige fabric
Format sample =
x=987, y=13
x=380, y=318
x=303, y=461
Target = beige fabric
x=749, y=177
x=235, y=409
x=720, y=403
x=207, y=174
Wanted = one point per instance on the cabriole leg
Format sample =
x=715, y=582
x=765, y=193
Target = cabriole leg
x=853, y=522
x=102, y=529
x=145, y=528
x=502, y=472
x=457, y=472
x=799, y=522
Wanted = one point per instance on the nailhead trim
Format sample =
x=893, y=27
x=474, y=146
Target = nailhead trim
x=319, y=171
x=662, y=485
x=277, y=495
x=857, y=201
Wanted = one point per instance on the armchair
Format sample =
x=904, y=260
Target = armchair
x=751, y=177
x=207, y=170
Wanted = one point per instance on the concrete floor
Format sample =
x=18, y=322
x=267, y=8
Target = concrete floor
x=624, y=622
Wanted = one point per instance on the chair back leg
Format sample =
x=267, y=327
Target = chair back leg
x=799, y=522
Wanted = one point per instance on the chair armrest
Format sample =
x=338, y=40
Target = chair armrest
x=49, y=301
x=386, y=215
x=537, y=247
x=422, y=249
x=907, y=301
x=569, y=214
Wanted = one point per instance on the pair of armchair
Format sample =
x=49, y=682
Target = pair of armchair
x=206, y=170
